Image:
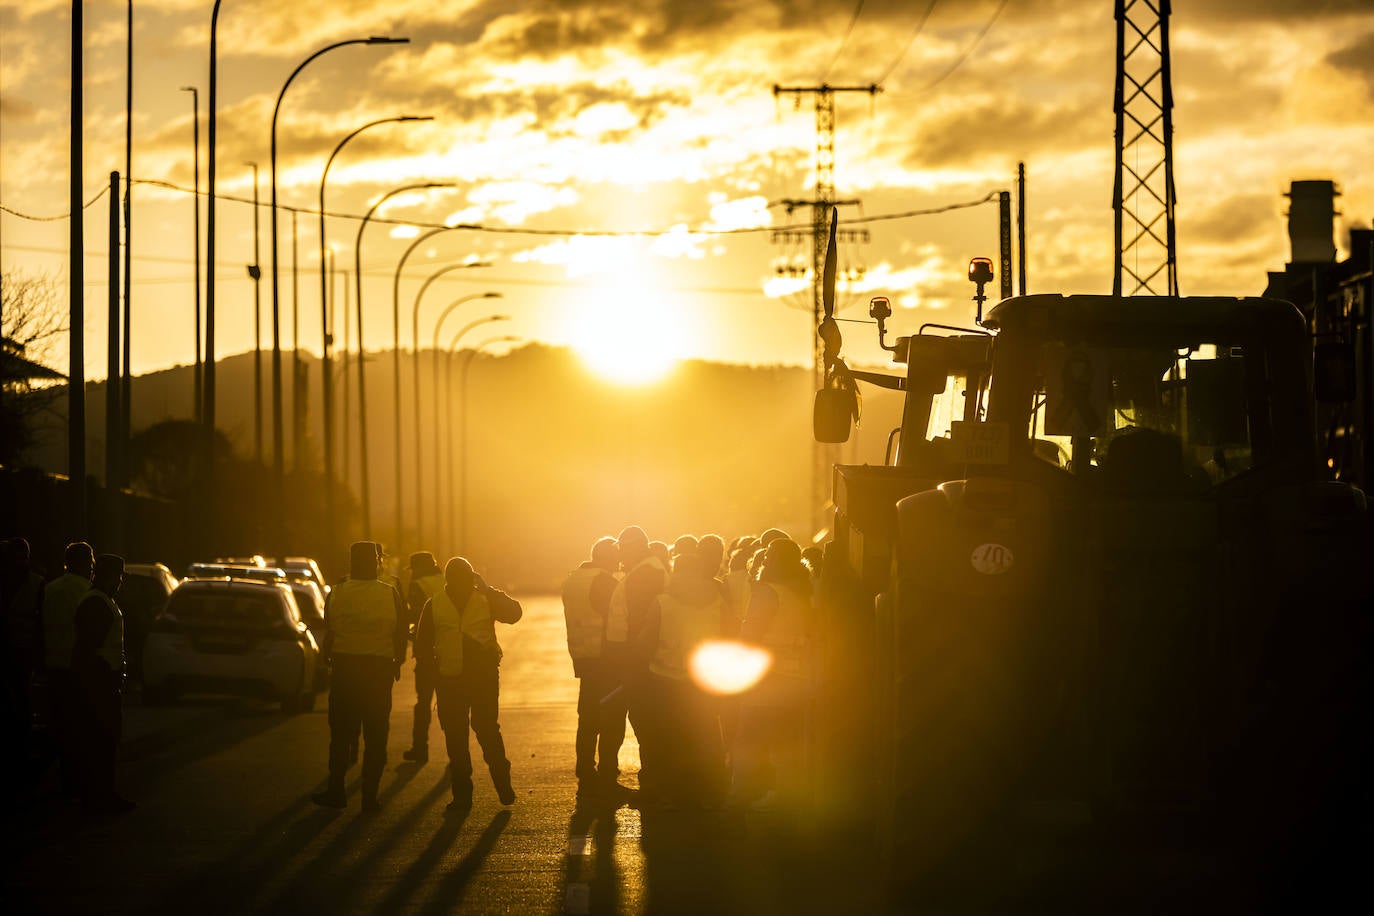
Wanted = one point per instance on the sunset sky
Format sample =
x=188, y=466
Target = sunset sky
x=568, y=118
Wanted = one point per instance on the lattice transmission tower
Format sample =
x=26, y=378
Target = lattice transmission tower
x=821, y=203
x=1144, y=196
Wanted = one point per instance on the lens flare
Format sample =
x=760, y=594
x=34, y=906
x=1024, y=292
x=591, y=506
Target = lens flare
x=725, y=667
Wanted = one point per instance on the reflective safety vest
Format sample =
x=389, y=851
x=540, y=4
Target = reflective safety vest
x=683, y=627
x=618, y=620
x=450, y=627
x=362, y=618
x=60, y=599
x=787, y=633
x=112, y=649
x=586, y=628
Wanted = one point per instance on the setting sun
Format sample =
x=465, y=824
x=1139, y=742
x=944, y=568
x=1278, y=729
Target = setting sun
x=627, y=340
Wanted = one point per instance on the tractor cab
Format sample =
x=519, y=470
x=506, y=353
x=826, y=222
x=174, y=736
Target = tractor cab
x=1144, y=603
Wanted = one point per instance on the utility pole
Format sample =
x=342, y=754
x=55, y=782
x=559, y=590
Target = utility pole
x=112, y=380
x=1143, y=196
x=821, y=204
x=255, y=274
x=1021, y=228
x=297, y=397
x=199, y=411
x=126, y=372
x=76, y=278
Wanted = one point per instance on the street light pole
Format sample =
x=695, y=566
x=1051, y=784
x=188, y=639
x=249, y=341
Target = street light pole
x=278, y=464
x=448, y=410
x=396, y=361
x=462, y=546
x=434, y=374
x=199, y=409
x=326, y=337
x=210, y=261
x=415, y=361
x=255, y=273
x=358, y=304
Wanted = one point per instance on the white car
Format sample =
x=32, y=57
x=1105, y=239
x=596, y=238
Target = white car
x=236, y=636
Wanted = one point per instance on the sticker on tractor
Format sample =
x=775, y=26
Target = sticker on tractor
x=988, y=442
x=992, y=559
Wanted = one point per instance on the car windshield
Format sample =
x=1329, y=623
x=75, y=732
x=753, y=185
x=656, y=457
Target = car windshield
x=1146, y=410
x=233, y=608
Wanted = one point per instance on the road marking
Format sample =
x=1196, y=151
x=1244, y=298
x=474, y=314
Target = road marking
x=578, y=846
x=578, y=900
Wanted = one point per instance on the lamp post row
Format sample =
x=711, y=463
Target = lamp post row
x=205, y=401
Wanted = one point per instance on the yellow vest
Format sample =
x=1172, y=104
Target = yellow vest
x=60, y=599
x=618, y=620
x=450, y=627
x=362, y=617
x=682, y=627
x=112, y=650
x=787, y=633
x=586, y=628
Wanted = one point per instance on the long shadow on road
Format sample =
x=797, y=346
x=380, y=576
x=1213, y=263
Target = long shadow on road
x=236, y=880
x=157, y=755
x=448, y=896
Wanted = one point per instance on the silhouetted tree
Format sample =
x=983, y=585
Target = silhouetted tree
x=31, y=323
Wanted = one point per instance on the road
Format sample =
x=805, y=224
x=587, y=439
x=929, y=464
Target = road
x=225, y=824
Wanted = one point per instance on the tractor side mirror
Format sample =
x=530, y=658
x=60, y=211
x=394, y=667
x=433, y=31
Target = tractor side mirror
x=1333, y=372
x=832, y=415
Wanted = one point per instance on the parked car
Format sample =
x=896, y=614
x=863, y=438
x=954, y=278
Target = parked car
x=145, y=591
x=236, y=636
x=221, y=569
x=304, y=567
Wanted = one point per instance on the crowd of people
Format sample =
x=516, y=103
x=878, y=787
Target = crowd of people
x=637, y=614
x=67, y=635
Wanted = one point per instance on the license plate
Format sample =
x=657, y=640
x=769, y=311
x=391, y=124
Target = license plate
x=981, y=443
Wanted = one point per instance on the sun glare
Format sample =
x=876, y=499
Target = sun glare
x=626, y=340
x=725, y=667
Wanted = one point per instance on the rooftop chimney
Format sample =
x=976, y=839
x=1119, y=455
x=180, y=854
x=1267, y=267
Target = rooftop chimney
x=1311, y=222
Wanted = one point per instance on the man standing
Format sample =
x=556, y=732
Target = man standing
x=645, y=578
x=426, y=581
x=365, y=643
x=97, y=667
x=456, y=633
x=60, y=598
x=586, y=604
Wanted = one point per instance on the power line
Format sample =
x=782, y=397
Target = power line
x=910, y=39
x=105, y=189
x=517, y=230
x=969, y=50
x=844, y=41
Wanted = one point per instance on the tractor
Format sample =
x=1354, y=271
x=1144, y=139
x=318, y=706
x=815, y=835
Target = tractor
x=1100, y=631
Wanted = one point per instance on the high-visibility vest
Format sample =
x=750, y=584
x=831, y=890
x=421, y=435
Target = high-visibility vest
x=450, y=627
x=618, y=620
x=683, y=627
x=362, y=618
x=60, y=599
x=586, y=627
x=112, y=649
x=787, y=633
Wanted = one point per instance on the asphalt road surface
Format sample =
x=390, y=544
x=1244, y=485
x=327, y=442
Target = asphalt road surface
x=225, y=824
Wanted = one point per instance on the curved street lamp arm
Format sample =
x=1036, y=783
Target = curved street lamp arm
x=462, y=332
x=439, y=323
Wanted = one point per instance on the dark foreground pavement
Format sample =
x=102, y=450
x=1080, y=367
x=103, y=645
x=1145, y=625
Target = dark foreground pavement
x=225, y=824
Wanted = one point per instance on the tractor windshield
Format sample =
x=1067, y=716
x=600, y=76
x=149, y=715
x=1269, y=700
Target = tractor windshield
x=1143, y=412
